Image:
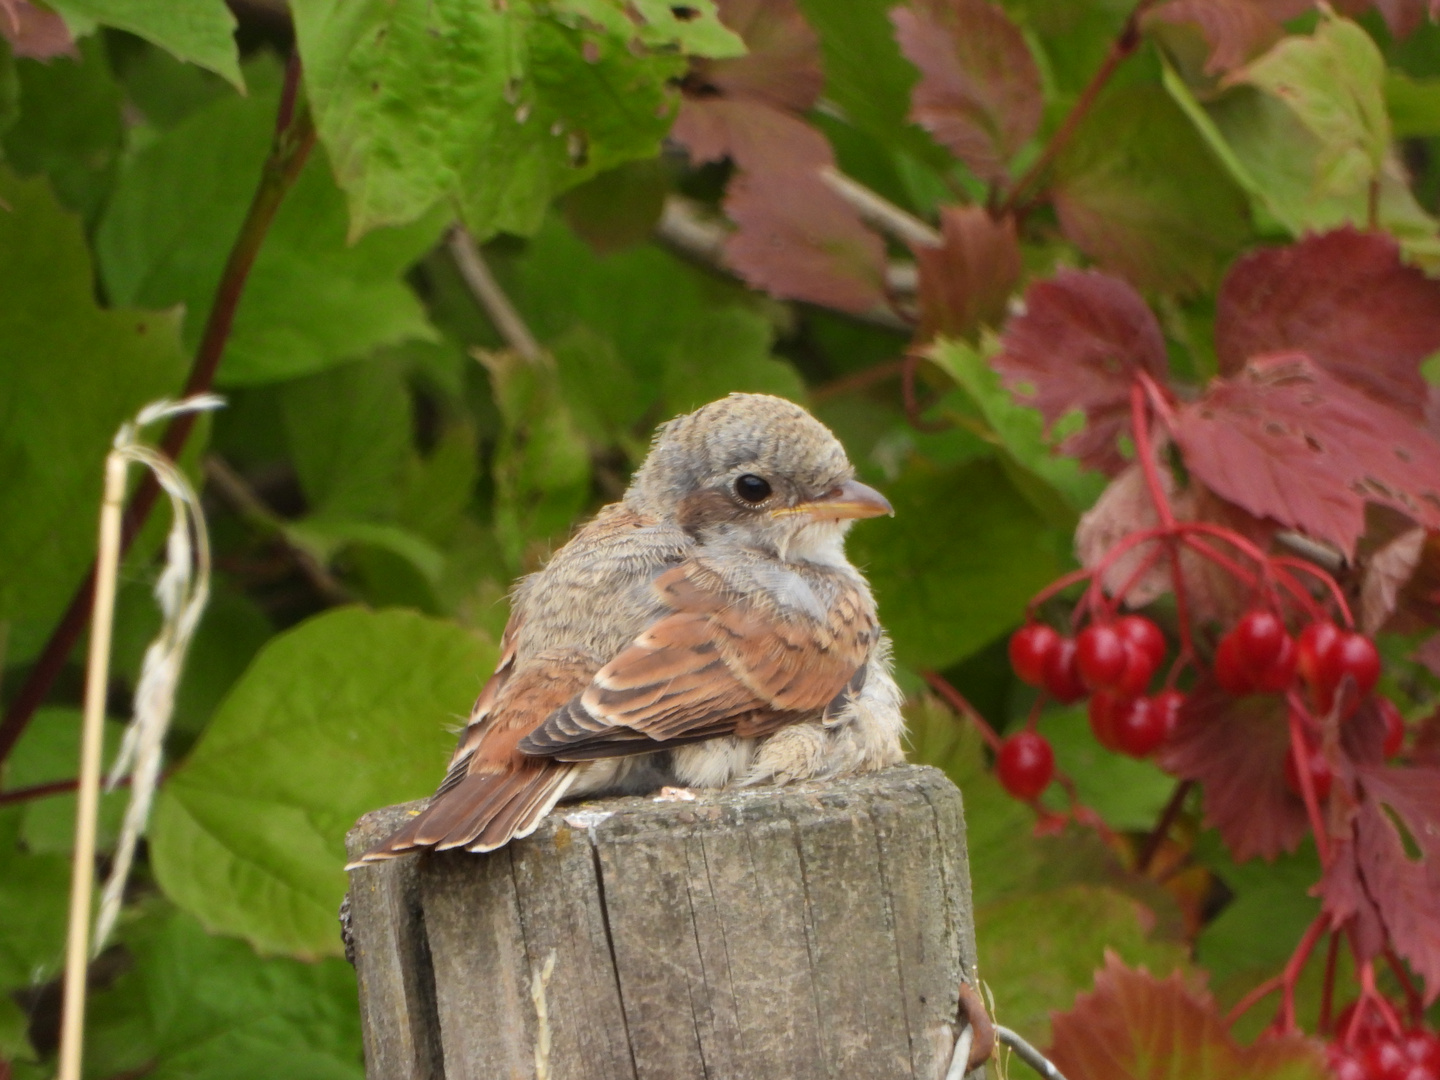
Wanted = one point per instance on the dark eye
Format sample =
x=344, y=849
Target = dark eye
x=752, y=488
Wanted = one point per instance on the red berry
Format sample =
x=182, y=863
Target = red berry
x=1394, y=727
x=1370, y=1027
x=1355, y=655
x=1422, y=1048
x=1260, y=636
x=1062, y=676
x=1103, y=709
x=1025, y=764
x=1277, y=676
x=1315, y=661
x=1344, y=1066
x=1030, y=648
x=1321, y=776
x=1384, y=1059
x=1140, y=633
x=1168, y=704
x=1139, y=727
x=1231, y=672
x=1100, y=656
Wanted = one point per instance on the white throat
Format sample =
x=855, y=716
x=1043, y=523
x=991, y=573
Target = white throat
x=819, y=542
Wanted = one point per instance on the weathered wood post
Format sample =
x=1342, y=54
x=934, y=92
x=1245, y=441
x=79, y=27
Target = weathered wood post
x=819, y=930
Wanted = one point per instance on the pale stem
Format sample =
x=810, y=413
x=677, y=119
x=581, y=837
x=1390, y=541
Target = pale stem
x=492, y=298
x=97, y=676
x=874, y=209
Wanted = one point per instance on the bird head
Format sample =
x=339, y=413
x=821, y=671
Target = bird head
x=757, y=471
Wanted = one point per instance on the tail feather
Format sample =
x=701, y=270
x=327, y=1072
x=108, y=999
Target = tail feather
x=482, y=812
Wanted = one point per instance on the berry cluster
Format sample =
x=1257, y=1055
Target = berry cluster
x=1113, y=663
x=1370, y=1050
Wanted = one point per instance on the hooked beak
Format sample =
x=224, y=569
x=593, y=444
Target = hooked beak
x=849, y=500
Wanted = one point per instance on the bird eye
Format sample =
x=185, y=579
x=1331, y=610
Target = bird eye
x=752, y=488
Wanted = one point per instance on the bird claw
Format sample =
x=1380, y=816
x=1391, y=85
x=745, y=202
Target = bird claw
x=674, y=794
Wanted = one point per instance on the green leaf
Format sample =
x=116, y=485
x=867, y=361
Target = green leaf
x=312, y=300
x=867, y=77
x=1278, y=162
x=493, y=108
x=69, y=374
x=69, y=127
x=724, y=351
x=1042, y=950
x=324, y=537
x=34, y=897
x=196, y=1007
x=343, y=714
x=436, y=490
x=49, y=750
x=349, y=436
x=14, y=1031
x=956, y=566
x=1138, y=190
x=1015, y=428
x=1413, y=105
x=1333, y=82
x=1127, y=793
x=198, y=31
x=541, y=465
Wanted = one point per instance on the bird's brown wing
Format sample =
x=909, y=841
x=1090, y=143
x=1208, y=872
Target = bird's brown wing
x=719, y=664
x=492, y=792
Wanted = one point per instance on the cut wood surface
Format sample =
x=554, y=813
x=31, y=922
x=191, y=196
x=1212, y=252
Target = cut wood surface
x=817, y=930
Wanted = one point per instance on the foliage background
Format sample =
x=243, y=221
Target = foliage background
x=372, y=489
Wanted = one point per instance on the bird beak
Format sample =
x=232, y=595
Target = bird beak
x=851, y=499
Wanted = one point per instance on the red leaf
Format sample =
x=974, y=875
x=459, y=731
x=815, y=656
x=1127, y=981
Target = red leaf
x=796, y=238
x=1078, y=344
x=1125, y=507
x=1403, y=17
x=1386, y=573
x=966, y=282
x=1285, y=440
x=1133, y=1026
x=34, y=32
x=782, y=66
x=1236, y=30
x=1343, y=298
x=1235, y=748
x=979, y=92
x=1376, y=882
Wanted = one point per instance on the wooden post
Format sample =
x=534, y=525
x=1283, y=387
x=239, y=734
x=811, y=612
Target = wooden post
x=818, y=930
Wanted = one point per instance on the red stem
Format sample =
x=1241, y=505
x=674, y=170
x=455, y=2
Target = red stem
x=1140, y=425
x=1327, y=989
x=960, y=704
x=1121, y=48
x=287, y=157
x=1294, y=966
x=1320, y=575
x=1250, y=1000
x=911, y=403
x=1414, y=1003
x=1300, y=748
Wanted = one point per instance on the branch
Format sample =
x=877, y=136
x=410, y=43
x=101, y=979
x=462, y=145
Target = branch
x=287, y=157
x=490, y=296
x=685, y=229
x=1158, y=834
x=874, y=209
x=231, y=487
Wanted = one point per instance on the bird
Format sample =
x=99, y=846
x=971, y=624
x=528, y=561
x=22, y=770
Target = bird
x=706, y=631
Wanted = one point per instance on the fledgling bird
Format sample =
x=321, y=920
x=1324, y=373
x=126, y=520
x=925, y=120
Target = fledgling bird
x=707, y=631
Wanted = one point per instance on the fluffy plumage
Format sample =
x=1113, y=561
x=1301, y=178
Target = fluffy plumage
x=706, y=630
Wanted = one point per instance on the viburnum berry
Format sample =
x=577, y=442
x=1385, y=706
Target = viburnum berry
x=1394, y=727
x=1326, y=654
x=1414, y=1055
x=1030, y=649
x=1026, y=764
x=1103, y=708
x=1168, y=704
x=1370, y=1026
x=1321, y=775
x=1139, y=727
x=1231, y=671
x=1145, y=651
x=1257, y=654
x=1100, y=656
x=1062, y=676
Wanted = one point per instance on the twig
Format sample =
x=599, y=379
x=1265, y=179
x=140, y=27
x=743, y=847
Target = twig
x=231, y=487
x=44, y=791
x=685, y=229
x=490, y=296
x=1121, y=48
x=1028, y=1054
x=1162, y=826
x=1324, y=556
x=876, y=210
x=287, y=157
x=961, y=704
x=858, y=380
x=92, y=741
